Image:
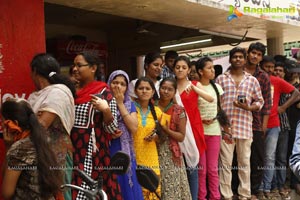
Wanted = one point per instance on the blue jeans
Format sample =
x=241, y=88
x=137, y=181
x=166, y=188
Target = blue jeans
x=281, y=160
x=270, y=152
x=192, y=175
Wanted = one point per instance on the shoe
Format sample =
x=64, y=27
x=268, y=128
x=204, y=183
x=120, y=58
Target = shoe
x=284, y=191
x=253, y=197
x=268, y=195
x=260, y=195
x=275, y=193
x=285, y=196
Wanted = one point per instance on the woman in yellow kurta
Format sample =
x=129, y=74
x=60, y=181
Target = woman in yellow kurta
x=145, y=138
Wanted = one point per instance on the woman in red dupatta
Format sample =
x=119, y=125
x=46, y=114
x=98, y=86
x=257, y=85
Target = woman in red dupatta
x=94, y=127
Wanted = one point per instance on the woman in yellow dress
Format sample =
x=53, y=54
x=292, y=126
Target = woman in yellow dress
x=148, y=123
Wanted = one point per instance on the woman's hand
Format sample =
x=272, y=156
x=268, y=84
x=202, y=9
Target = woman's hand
x=116, y=134
x=119, y=96
x=189, y=88
x=207, y=121
x=98, y=103
x=151, y=137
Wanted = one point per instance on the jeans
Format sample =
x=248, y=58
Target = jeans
x=281, y=160
x=295, y=157
x=270, y=152
x=292, y=134
x=192, y=175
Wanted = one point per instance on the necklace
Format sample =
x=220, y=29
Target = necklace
x=143, y=115
x=167, y=107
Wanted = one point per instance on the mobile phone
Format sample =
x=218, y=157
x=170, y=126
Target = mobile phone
x=242, y=98
x=153, y=133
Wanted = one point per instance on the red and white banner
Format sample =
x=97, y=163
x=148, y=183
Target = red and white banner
x=66, y=50
x=22, y=35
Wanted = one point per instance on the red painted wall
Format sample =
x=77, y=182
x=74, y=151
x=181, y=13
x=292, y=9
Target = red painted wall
x=22, y=35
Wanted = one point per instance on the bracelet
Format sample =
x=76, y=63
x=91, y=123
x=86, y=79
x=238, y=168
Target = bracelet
x=125, y=115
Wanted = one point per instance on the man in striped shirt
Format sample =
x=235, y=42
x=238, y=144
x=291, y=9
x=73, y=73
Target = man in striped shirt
x=279, y=177
x=242, y=95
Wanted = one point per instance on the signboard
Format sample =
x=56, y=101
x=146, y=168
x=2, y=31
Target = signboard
x=287, y=11
x=22, y=35
x=66, y=50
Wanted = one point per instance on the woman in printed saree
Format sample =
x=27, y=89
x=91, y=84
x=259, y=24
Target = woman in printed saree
x=174, y=180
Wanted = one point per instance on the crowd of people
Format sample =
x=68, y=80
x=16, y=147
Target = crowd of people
x=170, y=120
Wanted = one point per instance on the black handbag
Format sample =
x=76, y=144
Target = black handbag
x=221, y=115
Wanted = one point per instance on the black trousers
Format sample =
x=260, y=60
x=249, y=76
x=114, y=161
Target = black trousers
x=257, y=160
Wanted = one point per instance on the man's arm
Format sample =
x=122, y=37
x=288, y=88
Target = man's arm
x=265, y=120
x=294, y=98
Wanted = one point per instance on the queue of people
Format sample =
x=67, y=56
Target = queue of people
x=171, y=125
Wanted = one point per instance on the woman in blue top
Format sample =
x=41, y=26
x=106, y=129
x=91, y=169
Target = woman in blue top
x=127, y=123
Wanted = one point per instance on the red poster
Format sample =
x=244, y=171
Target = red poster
x=22, y=35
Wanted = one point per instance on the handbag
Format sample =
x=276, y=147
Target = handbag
x=221, y=115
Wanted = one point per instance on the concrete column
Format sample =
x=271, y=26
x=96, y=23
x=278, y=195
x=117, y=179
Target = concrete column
x=140, y=66
x=275, y=46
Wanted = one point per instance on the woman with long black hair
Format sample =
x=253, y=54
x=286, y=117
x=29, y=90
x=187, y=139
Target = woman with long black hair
x=29, y=170
x=208, y=165
x=148, y=131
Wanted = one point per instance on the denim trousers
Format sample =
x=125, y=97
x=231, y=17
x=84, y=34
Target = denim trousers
x=271, y=139
x=281, y=160
x=192, y=175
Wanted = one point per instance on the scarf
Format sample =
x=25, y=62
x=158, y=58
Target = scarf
x=126, y=138
x=188, y=146
x=174, y=111
x=15, y=130
x=84, y=94
x=57, y=99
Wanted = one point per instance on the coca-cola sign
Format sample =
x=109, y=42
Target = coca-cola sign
x=66, y=50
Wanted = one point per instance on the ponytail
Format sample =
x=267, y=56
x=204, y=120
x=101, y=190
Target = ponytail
x=158, y=127
x=62, y=79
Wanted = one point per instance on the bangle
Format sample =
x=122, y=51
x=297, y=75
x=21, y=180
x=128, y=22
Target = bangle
x=123, y=116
